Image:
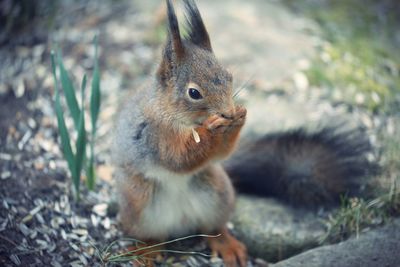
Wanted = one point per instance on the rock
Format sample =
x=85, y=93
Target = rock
x=301, y=81
x=272, y=230
x=379, y=247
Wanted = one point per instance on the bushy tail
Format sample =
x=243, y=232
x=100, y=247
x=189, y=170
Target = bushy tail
x=303, y=168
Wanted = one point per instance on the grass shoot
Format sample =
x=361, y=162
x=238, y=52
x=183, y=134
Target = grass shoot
x=76, y=152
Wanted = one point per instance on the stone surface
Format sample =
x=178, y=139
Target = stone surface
x=272, y=230
x=379, y=247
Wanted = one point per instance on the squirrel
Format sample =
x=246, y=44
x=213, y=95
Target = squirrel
x=172, y=135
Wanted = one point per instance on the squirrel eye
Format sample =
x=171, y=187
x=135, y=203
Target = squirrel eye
x=195, y=94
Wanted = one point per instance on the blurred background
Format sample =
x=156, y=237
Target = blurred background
x=297, y=63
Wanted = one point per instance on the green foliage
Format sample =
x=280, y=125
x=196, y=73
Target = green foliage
x=62, y=128
x=95, y=102
x=76, y=156
x=361, y=59
x=95, y=96
x=356, y=215
x=69, y=93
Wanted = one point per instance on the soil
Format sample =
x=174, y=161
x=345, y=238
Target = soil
x=41, y=224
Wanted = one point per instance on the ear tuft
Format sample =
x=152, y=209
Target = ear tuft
x=197, y=32
x=174, y=34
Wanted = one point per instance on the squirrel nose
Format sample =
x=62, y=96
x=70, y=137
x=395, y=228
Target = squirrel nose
x=228, y=114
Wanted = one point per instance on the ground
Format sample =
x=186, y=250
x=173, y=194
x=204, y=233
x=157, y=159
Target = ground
x=271, y=50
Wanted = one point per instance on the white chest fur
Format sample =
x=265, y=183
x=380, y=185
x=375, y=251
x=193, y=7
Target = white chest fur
x=178, y=206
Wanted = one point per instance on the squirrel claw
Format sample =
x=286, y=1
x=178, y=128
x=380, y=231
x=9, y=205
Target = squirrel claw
x=231, y=250
x=216, y=122
x=240, y=112
x=219, y=124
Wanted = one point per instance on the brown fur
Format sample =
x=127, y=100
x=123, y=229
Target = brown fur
x=169, y=184
x=216, y=177
x=179, y=152
x=232, y=250
x=135, y=192
x=305, y=168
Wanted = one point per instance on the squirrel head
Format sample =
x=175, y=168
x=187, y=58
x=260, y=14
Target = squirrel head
x=192, y=83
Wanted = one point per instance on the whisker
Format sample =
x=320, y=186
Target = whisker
x=243, y=86
x=238, y=91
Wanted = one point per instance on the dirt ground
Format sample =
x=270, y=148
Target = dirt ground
x=40, y=222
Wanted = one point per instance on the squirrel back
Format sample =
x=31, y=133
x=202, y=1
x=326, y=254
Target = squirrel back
x=303, y=168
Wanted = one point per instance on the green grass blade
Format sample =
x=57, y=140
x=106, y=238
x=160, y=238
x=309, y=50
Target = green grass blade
x=69, y=92
x=90, y=174
x=95, y=94
x=81, y=141
x=83, y=87
x=65, y=139
x=133, y=254
x=95, y=102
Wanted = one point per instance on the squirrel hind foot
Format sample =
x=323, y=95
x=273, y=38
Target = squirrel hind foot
x=232, y=251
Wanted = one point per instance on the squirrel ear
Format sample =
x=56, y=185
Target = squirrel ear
x=174, y=37
x=197, y=32
x=174, y=50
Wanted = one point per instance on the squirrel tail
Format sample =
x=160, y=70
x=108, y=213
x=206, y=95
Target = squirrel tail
x=303, y=168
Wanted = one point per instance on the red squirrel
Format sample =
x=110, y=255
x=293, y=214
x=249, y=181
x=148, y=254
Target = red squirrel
x=170, y=139
x=172, y=135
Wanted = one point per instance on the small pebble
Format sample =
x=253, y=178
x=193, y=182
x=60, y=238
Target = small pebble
x=5, y=175
x=14, y=258
x=24, y=229
x=100, y=209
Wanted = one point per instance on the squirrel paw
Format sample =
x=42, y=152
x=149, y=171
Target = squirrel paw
x=240, y=116
x=232, y=251
x=219, y=124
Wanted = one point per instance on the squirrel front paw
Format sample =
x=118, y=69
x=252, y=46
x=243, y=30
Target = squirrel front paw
x=218, y=124
x=240, y=115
